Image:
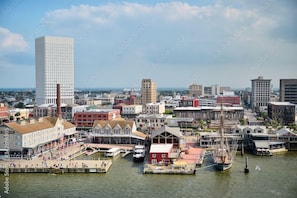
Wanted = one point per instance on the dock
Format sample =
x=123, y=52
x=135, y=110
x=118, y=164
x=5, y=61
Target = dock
x=193, y=155
x=126, y=152
x=185, y=169
x=73, y=166
x=57, y=161
x=109, y=146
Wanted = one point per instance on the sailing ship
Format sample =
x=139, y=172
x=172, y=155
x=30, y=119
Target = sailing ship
x=222, y=153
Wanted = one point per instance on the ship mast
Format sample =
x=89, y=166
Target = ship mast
x=223, y=157
x=222, y=126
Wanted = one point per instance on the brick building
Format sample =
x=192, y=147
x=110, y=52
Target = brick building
x=283, y=112
x=87, y=118
x=231, y=100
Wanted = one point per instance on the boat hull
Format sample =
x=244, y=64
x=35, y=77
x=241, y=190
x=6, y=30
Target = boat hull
x=138, y=159
x=222, y=167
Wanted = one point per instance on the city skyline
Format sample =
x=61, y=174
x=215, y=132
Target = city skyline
x=176, y=44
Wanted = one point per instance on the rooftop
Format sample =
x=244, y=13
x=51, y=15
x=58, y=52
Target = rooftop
x=161, y=148
x=282, y=103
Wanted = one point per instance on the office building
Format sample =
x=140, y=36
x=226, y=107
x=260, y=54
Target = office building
x=261, y=91
x=196, y=90
x=148, y=92
x=54, y=63
x=288, y=90
x=282, y=112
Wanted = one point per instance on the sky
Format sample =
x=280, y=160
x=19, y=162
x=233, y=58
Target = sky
x=174, y=43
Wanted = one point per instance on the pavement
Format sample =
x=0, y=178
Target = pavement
x=57, y=158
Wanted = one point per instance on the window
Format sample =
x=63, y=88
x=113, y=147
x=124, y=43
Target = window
x=163, y=155
x=106, y=131
x=127, y=131
x=154, y=155
x=116, y=131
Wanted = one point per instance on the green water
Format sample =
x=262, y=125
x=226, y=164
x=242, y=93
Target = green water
x=277, y=178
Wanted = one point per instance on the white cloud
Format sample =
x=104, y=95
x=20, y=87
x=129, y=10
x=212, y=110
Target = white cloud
x=212, y=35
x=106, y=13
x=11, y=42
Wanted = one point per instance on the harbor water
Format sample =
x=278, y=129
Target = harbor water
x=274, y=176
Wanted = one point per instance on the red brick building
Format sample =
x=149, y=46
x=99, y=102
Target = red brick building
x=87, y=118
x=3, y=112
x=232, y=100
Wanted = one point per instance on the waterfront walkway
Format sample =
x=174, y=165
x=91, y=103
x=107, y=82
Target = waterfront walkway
x=58, y=159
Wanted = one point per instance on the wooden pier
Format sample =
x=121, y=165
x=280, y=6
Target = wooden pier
x=188, y=169
x=73, y=166
x=57, y=161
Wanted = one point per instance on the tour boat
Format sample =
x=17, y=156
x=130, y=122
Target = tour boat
x=112, y=152
x=139, y=153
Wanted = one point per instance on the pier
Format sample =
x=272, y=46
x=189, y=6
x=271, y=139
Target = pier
x=57, y=161
x=52, y=166
x=125, y=147
x=183, y=169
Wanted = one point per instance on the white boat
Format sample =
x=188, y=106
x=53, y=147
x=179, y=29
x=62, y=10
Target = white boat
x=112, y=152
x=139, y=153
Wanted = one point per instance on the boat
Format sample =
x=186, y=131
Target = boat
x=112, y=152
x=139, y=153
x=222, y=154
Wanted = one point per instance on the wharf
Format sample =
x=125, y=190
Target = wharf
x=188, y=169
x=193, y=155
x=123, y=147
x=73, y=166
x=57, y=161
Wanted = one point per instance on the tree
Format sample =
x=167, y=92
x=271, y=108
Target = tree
x=243, y=121
x=11, y=118
x=274, y=124
x=20, y=105
x=168, y=111
x=292, y=126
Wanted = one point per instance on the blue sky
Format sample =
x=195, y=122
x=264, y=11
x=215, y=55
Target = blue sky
x=175, y=43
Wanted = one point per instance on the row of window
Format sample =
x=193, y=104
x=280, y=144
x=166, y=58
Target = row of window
x=115, y=131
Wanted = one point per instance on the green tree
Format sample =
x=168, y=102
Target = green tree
x=293, y=126
x=168, y=111
x=243, y=121
x=20, y=105
x=274, y=124
x=17, y=114
x=11, y=118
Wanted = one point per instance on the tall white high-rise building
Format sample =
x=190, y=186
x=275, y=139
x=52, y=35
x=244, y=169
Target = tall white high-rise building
x=54, y=64
x=261, y=91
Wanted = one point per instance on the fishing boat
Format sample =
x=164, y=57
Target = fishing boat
x=222, y=154
x=139, y=153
